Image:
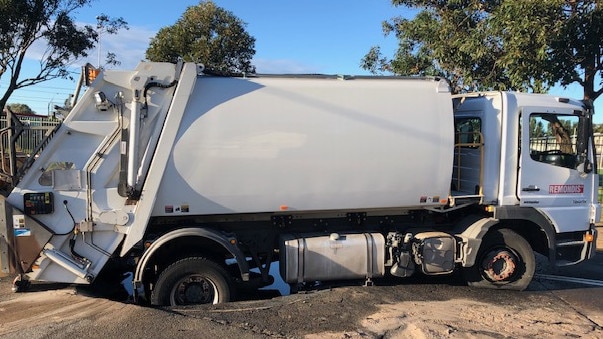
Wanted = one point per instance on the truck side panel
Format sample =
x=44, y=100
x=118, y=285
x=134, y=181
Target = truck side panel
x=267, y=144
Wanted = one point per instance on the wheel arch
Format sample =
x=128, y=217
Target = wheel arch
x=473, y=231
x=527, y=222
x=212, y=242
x=531, y=224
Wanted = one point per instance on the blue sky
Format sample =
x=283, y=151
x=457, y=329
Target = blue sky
x=312, y=36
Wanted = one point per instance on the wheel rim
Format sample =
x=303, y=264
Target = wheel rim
x=500, y=265
x=194, y=289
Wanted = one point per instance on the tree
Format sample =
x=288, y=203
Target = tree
x=105, y=24
x=49, y=22
x=578, y=48
x=20, y=109
x=207, y=34
x=494, y=44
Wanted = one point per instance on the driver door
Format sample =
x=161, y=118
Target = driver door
x=548, y=175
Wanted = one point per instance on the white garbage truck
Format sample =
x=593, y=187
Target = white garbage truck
x=197, y=184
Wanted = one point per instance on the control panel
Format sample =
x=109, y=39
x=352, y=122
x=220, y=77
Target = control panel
x=38, y=203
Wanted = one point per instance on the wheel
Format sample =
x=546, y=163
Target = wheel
x=505, y=260
x=192, y=281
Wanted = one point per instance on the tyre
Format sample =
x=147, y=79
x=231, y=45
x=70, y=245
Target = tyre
x=505, y=260
x=192, y=281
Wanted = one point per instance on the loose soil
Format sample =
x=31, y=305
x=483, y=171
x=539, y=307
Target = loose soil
x=416, y=310
x=412, y=308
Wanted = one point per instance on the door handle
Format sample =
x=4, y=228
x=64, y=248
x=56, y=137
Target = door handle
x=531, y=188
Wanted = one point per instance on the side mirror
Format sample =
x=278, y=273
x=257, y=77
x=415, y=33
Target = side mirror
x=584, y=165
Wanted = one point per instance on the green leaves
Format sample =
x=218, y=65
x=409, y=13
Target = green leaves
x=206, y=34
x=499, y=44
x=20, y=109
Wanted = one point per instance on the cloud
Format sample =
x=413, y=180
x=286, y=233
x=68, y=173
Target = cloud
x=129, y=47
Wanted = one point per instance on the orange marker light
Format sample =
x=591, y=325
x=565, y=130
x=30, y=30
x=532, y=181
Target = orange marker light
x=90, y=73
x=284, y=207
x=589, y=237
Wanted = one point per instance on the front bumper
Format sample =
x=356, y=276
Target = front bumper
x=574, y=247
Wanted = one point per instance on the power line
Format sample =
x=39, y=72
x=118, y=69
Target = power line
x=26, y=100
x=33, y=87
x=42, y=89
x=41, y=93
x=49, y=90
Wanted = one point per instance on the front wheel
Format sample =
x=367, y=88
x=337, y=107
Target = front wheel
x=505, y=260
x=192, y=281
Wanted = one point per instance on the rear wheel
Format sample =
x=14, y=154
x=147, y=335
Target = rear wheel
x=505, y=261
x=192, y=281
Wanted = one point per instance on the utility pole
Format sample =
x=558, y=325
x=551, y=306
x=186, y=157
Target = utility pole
x=99, y=29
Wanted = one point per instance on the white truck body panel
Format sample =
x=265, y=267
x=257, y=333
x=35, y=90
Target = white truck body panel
x=256, y=145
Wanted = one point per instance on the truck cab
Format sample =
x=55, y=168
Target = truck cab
x=531, y=155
